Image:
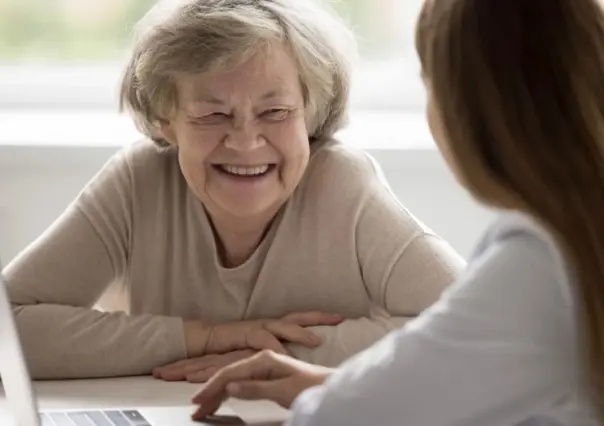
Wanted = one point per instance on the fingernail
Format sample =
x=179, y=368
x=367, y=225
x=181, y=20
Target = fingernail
x=233, y=388
x=196, y=416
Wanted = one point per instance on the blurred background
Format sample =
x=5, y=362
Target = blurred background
x=99, y=30
x=66, y=55
x=60, y=63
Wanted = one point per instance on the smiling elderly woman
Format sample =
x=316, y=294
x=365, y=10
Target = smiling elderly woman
x=239, y=223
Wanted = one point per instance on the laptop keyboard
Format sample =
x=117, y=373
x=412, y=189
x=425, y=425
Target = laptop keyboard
x=94, y=418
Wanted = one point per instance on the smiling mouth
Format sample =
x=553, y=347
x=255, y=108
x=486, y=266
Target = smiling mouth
x=245, y=171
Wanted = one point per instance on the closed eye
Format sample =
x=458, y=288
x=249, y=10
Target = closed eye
x=216, y=115
x=275, y=114
x=212, y=118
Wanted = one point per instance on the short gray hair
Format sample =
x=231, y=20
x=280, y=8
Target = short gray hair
x=178, y=37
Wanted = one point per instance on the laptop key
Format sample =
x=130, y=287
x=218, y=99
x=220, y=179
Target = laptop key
x=98, y=418
x=117, y=418
x=46, y=421
x=80, y=419
x=135, y=417
x=60, y=419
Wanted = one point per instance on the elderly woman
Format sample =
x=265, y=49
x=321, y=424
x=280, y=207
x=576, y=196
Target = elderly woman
x=243, y=226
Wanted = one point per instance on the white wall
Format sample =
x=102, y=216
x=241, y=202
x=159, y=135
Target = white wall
x=36, y=184
x=422, y=182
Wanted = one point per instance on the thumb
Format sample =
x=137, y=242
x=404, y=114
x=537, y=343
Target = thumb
x=263, y=339
x=279, y=391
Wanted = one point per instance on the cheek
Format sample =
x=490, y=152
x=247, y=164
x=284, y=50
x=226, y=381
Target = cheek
x=290, y=139
x=436, y=128
x=195, y=145
x=432, y=121
x=439, y=135
x=194, y=148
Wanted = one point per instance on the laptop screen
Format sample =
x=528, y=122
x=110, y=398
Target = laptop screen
x=13, y=368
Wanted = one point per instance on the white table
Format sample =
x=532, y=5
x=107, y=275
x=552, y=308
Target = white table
x=140, y=392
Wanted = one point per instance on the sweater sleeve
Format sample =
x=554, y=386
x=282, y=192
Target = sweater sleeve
x=405, y=268
x=54, y=284
x=497, y=349
x=418, y=277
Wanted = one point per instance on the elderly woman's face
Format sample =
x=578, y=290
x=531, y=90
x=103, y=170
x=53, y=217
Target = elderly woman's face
x=241, y=135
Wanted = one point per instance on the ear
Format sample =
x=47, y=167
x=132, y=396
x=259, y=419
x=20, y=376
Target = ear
x=166, y=128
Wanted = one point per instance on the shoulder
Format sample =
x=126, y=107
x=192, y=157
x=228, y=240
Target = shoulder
x=149, y=168
x=519, y=256
x=140, y=171
x=139, y=158
x=145, y=158
x=519, y=228
x=350, y=185
x=338, y=172
x=333, y=159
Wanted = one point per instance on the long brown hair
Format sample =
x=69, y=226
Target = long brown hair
x=519, y=90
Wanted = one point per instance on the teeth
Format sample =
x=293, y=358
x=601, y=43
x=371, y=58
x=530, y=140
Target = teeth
x=244, y=171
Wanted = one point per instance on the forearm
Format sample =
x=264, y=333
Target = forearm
x=346, y=339
x=63, y=342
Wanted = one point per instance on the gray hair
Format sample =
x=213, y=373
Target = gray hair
x=178, y=37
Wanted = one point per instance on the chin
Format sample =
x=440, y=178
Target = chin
x=247, y=210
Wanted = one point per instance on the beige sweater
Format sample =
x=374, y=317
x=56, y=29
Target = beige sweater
x=137, y=243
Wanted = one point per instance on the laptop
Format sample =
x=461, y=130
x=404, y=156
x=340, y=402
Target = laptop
x=24, y=410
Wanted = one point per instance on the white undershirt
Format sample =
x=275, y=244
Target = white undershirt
x=498, y=349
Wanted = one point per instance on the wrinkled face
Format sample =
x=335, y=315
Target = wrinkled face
x=241, y=135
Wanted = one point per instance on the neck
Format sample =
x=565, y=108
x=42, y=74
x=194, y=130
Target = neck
x=238, y=238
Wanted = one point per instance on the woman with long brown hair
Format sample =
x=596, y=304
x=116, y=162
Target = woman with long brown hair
x=516, y=90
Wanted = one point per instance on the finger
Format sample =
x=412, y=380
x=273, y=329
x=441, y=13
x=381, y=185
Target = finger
x=278, y=390
x=175, y=375
x=214, y=391
x=293, y=333
x=312, y=318
x=177, y=365
x=179, y=373
x=206, y=409
x=262, y=366
x=202, y=376
x=178, y=376
x=173, y=366
x=262, y=339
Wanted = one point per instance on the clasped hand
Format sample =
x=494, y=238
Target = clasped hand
x=217, y=346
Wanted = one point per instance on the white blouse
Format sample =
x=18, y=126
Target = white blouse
x=498, y=349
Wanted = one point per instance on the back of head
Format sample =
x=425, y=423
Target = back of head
x=184, y=37
x=518, y=87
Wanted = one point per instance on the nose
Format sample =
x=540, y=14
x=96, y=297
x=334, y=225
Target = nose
x=244, y=136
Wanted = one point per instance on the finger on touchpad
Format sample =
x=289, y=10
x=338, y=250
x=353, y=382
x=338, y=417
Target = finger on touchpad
x=223, y=420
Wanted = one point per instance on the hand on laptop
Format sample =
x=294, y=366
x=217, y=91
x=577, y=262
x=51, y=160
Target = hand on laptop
x=266, y=375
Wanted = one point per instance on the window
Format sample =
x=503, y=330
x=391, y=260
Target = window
x=60, y=62
x=389, y=73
